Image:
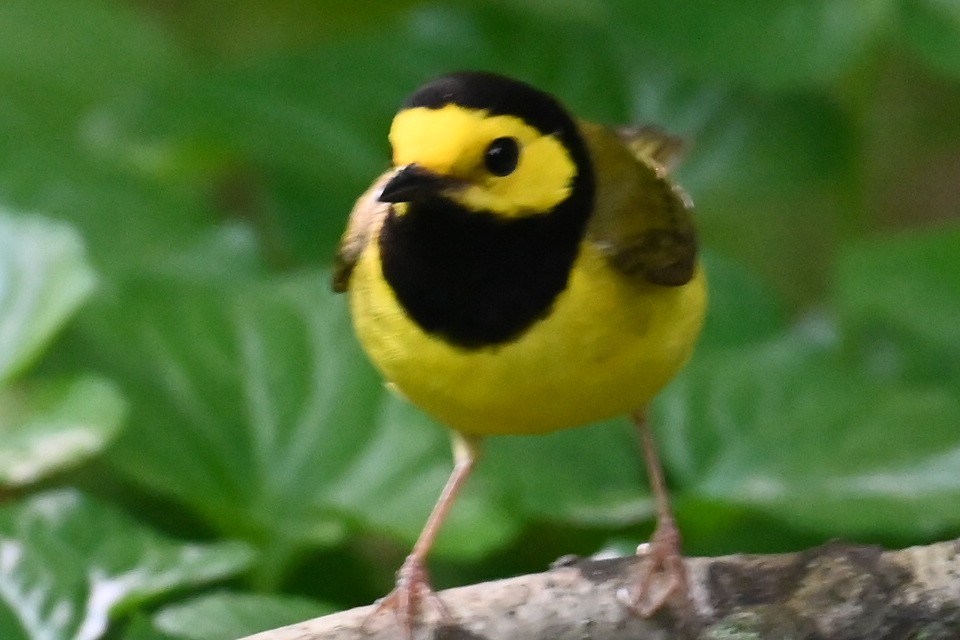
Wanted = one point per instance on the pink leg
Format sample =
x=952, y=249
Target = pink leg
x=413, y=579
x=663, y=574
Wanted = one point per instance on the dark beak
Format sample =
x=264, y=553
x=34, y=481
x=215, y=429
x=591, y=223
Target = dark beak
x=413, y=182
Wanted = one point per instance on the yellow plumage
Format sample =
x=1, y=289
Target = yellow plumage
x=519, y=272
x=607, y=346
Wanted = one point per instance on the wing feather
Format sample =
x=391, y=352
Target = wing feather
x=642, y=221
x=365, y=219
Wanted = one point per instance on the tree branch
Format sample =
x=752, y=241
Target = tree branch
x=837, y=591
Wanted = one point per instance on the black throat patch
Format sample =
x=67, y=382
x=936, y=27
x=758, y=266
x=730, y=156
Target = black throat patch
x=476, y=279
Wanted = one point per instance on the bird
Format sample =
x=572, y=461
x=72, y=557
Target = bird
x=518, y=270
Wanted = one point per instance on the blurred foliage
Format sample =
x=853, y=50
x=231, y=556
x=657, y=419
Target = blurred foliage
x=194, y=446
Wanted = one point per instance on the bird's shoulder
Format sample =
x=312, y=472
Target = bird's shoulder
x=642, y=221
x=365, y=218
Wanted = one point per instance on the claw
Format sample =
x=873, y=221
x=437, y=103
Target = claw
x=662, y=575
x=407, y=598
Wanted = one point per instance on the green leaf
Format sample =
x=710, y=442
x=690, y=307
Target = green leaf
x=228, y=616
x=47, y=426
x=128, y=221
x=44, y=278
x=742, y=308
x=767, y=44
x=785, y=145
x=69, y=565
x=226, y=253
x=39, y=45
x=254, y=406
x=789, y=428
x=932, y=29
x=586, y=475
x=68, y=74
x=141, y=627
x=900, y=298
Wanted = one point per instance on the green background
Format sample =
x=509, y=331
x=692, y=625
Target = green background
x=192, y=445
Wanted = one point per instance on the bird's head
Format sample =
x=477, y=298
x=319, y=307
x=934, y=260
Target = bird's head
x=489, y=144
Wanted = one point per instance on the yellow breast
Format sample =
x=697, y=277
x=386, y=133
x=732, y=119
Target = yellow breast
x=606, y=347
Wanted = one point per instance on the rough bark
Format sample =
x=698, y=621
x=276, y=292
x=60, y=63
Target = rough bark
x=837, y=591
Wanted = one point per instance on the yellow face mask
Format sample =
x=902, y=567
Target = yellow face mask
x=455, y=141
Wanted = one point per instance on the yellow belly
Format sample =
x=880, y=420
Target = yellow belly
x=605, y=349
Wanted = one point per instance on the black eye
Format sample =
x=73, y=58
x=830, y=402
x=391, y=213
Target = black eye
x=502, y=156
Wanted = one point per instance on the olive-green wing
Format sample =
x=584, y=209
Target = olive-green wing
x=642, y=221
x=365, y=219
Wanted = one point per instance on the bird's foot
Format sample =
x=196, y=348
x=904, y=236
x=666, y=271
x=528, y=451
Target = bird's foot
x=662, y=574
x=408, y=596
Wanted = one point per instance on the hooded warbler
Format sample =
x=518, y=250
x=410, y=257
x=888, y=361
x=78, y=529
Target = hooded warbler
x=519, y=271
